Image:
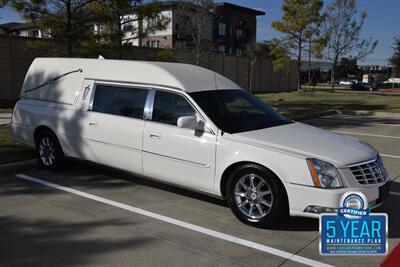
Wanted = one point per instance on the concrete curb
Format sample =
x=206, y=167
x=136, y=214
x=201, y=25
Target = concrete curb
x=315, y=114
x=18, y=166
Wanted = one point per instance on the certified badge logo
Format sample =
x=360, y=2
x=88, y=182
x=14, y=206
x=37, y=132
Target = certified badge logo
x=353, y=230
x=354, y=205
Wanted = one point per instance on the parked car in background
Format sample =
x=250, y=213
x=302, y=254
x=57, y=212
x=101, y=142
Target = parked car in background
x=393, y=80
x=364, y=86
x=345, y=82
x=191, y=127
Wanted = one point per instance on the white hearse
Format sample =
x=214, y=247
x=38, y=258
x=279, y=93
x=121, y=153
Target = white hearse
x=191, y=127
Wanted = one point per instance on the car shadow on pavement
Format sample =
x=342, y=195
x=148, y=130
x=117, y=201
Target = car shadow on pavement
x=287, y=224
x=78, y=174
x=55, y=242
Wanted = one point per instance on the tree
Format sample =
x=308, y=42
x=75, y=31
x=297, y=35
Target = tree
x=123, y=21
x=315, y=44
x=343, y=33
x=280, y=53
x=346, y=67
x=296, y=24
x=67, y=21
x=194, y=26
x=253, y=53
x=395, y=58
x=3, y=3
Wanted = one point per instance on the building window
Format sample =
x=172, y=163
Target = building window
x=221, y=48
x=35, y=34
x=239, y=33
x=221, y=29
x=154, y=44
x=152, y=22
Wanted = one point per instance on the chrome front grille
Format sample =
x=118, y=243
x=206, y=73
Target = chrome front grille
x=369, y=173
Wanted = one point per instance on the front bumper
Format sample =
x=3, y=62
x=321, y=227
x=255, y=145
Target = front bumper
x=301, y=197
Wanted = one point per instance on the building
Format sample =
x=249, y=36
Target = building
x=234, y=27
x=22, y=29
x=229, y=29
x=375, y=73
x=320, y=71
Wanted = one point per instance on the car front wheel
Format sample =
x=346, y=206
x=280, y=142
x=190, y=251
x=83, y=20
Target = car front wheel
x=256, y=197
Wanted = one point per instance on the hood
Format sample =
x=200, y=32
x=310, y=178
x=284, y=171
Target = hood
x=310, y=142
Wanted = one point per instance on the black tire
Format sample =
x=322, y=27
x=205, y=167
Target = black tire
x=279, y=208
x=50, y=154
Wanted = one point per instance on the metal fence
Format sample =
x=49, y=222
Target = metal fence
x=15, y=59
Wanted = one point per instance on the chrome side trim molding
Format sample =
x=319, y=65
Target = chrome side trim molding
x=178, y=160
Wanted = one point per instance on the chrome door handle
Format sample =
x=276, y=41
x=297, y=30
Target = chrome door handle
x=155, y=135
x=92, y=124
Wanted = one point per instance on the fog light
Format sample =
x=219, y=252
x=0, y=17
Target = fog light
x=318, y=210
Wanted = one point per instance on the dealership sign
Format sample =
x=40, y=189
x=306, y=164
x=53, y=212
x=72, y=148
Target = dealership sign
x=353, y=230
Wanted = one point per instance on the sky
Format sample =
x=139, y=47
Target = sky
x=383, y=23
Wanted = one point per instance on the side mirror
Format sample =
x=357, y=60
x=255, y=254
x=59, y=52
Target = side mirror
x=190, y=122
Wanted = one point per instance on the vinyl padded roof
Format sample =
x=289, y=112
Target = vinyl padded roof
x=184, y=77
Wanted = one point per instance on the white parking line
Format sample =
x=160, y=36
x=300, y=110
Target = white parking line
x=354, y=118
x=395, y=193
x=365, y=134
x=390, y=156
x=193, y=227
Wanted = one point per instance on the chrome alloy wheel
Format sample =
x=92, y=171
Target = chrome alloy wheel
x=47, y=151
x=253, y=196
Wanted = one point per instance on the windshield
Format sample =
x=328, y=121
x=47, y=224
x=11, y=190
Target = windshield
x=235, y=111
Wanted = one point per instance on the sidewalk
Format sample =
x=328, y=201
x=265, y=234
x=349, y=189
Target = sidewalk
x=5, y=118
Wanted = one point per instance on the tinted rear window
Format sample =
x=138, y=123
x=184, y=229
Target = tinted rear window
x=119, y=100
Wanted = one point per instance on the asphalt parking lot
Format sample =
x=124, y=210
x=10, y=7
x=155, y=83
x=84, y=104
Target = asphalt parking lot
x=91, y=216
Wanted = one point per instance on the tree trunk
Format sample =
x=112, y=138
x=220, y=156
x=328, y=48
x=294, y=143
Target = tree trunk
x=298, y=73
x=333, y=73
x=251, y=77
x=120, y=35
x=309, y=62
x=140, y=30
x=198, y=40
x=68, y=29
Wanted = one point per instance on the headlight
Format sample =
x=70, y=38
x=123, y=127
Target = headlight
x=382, y=166
x=324, y=174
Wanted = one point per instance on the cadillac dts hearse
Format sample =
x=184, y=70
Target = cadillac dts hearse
x=191, y=127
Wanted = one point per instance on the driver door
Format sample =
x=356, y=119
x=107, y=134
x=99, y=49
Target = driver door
x=176, y=155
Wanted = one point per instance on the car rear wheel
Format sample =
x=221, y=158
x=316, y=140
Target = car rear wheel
x=256, y=197
x=50, y=153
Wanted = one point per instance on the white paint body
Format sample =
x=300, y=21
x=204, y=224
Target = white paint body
x=178, y=156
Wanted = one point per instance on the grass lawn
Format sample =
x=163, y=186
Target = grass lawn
x=296, y=103
x=6, y=110
x=11, y=151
